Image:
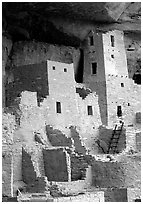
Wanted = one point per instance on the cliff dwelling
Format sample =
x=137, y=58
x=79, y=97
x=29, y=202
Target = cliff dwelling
x=71, y=96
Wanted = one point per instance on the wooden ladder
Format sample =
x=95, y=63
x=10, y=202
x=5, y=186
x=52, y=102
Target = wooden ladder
x=113, y=144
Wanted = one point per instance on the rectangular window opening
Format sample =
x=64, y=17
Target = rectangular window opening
x=65, y=69
x=58, y=107
x=89, y=109
x=94, y=68
x=54, y=68
x=91, y=40
x=122, y=84
x=119, y=111
x=112, y=41
x=112, y=56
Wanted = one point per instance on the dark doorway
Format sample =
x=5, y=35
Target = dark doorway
x=94, y=68
x=58, y=106
x=137, y=78
x=112, y=40
x=79, y=72
x=119, y=111
x=89, y=109
x=91, y=40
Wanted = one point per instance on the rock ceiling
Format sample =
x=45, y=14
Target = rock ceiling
x=39, y=20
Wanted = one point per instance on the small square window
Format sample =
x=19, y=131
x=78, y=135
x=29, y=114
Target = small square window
x=54, y=68
x=58, y=107
x=89, y=110
x=122, y=84
x=65, y=69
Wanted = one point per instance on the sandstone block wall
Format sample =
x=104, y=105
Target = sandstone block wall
x=118, y=64
x=121, y=174
x=7, y=172
x=79, y=166
x=128, y=97
x=86, y=197
x=138, y=141
x=56, y=164
x=116, y=195
x=28, y=172
x=133, y=194
x=96, y=82
x=57, y=138
x=105, y=135
x=28, y=78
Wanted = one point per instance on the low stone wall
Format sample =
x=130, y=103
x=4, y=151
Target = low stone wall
x=79, y=147
x=105, y=135
x=115, y=195
x=85, y=197
x=39, y=186
x=133, y=194
x=125, y=173
x=57, y=164
x=7, y=173
x=138, y=141
x=28, y=172
x=78, y=167
x=57, y=138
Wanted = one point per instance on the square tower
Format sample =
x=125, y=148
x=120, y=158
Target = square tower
x=106, y=73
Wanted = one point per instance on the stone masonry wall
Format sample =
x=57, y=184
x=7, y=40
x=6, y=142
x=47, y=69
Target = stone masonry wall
x=122, y=174
x=116, y=195
x=96, y=82
x=57, y=138
x=116, y=65
x=127, y=97
x=105, y=135
x=28, y=172
x=28, y=78
x=7, y=172
x=57, y=164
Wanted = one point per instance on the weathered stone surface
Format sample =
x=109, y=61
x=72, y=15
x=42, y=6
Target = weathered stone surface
x=7, y=173
x=57, y=164
x=117, y=174
x=116, y=195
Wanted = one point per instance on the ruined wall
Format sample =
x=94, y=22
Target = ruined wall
x=116, y=195
x=97, y=196
x=8, y=129
x=104, y=138
x=28, y=78
x=57, y=164
x=132, y=42
x=133, y=194
x=138, y=141
x=7, y=172
x=122, y=174
x=57, y=138
x=28, y=172
x=122, y=91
